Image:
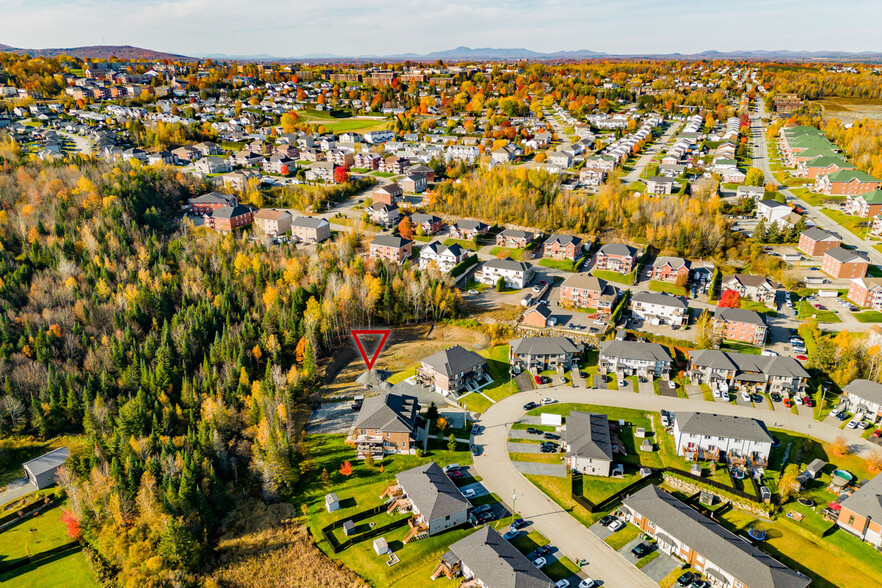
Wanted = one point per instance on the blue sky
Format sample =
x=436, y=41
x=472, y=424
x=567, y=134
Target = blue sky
x=298, y=27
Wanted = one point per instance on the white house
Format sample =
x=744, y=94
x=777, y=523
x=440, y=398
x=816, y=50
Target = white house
x=634, y=358
x=375, y=137
x=436, y=502
x=702, y=435
x=516, y=274
x=442, y=257
x=864, y=395
x=660, y=308
x=589, y=444
x=772, y=211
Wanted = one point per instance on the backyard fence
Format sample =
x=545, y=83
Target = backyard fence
x=10, y=565
x=337, y=547
x=19, y=514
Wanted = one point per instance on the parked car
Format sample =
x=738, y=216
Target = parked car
x=769, y=353
x=530, y=406
x=475, y=449
x=533, y=431
x=605, y=521
x=450, y=467
x=864, y=425
x=685, y=579
x=775, y=397
x=540, y=562
x=476, y=428
x=562, y=584
x=542, y=550
x=547, y=401
x=616, y=525
x=468, y=493
x=485, y=517
x=842, y=416
x=483, y=508
x=641, y=550
x=802, y=357
x=510, y=534
x=587, y=583
x=756, y=397
x=454, y=474
x=835, y=412
x=808, y=401
x=852, y=424
x=551, y=436
x=472, y=292
x=877, y=433
x=798, y=400
x=745, y=397
x=518, y=524
x=787, y=403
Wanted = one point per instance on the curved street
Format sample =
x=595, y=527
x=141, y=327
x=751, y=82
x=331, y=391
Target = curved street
x=564, y=531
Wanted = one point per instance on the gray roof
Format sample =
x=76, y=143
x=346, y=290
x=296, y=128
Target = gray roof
x=747, y=362
x=432, y=492
x=48, y=461
x=750, y=281
x=866, y=390
x=618, y=249
x=867, y=501
x=231, y=211
x=635, y=350
x=496, y=562
x=660, y=298
x=420, y=218
x=516, y=234
x=393, y=413
x=717, y=425
x=739, y=558
x=563, y=240
x=389, y=241
x=585, y=281
x=674, y=262
x=818, y=234
x=772, y=204
x=453, y=361
x=470, y=225
x=740, y=315
x=508, y=264
x=309, y=222
x=845, y=255
x=213, y=198
x=543, y=346
x=588, y=436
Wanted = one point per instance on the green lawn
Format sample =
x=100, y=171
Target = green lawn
x=621, y=538
x=470, y=245
x=740, y=347
x=757, y=307
x=610, y=276
x=401, y=376
x=869, y=316
x=657, y=286
x=516, y=254
x=39, y=534
x=559, y=490
x=561, y=264
x=476, y=286
x=852, y=223
x=806, y=311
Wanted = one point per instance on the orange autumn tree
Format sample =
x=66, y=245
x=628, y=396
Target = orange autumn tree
x=405, y=228
x=341, y=176
x=346, y=469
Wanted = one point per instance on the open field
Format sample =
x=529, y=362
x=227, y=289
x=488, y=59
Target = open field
x=406, y=346
x=851, y=109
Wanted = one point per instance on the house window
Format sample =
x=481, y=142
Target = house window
x=851, y=520
x=700, y=559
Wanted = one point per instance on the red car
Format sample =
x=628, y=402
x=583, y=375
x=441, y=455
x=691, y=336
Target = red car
x=787, y=403
x=808, y=402
x=877, y=433
x=454, y=474
x=802, y=358
x=538, y=379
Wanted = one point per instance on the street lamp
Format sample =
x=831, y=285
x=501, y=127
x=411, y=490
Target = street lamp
x=514, y=501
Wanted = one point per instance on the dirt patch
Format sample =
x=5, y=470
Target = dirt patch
x=851, y=109
x=405, y=348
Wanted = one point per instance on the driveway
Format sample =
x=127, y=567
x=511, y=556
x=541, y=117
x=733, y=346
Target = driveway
x=600, y=382
x=555, y=470
x=523, y=447
x=646, y=388
x=15, y=490
x=660, y=567
x=694, y=392
x=332, y=418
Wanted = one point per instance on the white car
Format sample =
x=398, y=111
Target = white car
x=451, y=467
x=616, y=525
x=769, y=353
x=835, y=412
x=546, y=401
x=468, y=493
x=587, y=583
x=473, y=292
x=562, y=584
x=798, y=400
x=540, y=562
x=745, y=397
x=865, y=424
x=852, y=424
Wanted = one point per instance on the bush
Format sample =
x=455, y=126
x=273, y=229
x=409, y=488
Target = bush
x=500, y=284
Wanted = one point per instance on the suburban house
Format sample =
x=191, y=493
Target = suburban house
x=451, y=370
x=229, y=218
x=843, y=263
x=537, y=354
x=591, y=176
x=415, y=183
x=186, y=153
x=588, y=443
x=865, y=205
x=757, y=288
x=659, y=185
x=725, y=558
x=432, y=497
x=752, y=192
x=861, y=513
x=442, y=257
x=207, y=148
x=616, y=257
x=815, y=241
x=515, y=274
x=740, y=324
x=207, y=203
x=385, y=215
x=821, y=165
x=670, y=269
x=538, y=315
x=583, y=290
x=772, y=211
x=430, y=223
x=866, y=292
x=387, y=423
x=394, y=249
x=659, y=308
x=513, y=238
x=485, y=559
x=633, y=358
x=387, y=194
x=41, y=471
x=847, y=182
x=367, y=161
x=310, y=229
x=746, y=372
x=273, y=222
x=468, y=229
x=704, y=435
x=865, y=396
x=213, y=165
x=562, y=247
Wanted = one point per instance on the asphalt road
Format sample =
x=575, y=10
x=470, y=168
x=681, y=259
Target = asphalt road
x=563, y=530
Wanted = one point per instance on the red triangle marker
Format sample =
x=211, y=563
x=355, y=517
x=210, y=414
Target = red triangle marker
x=358, y=333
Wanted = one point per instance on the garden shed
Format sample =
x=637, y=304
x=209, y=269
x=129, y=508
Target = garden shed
x=41, y=471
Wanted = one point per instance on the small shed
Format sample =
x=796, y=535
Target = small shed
x=645, y=472
x=41, y=471
x=380, y=546
x=815, y=468
x=765, y=494
x=706, y=498
x=640, y=432
x=332, y=503
x=647, y=446
x=349, y=528
x=695, y=469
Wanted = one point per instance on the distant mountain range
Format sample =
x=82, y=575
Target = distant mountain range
x=457, y=54
x=124, y=52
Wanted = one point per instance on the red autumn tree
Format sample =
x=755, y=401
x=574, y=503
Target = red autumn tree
x=284, y=170
x=405, y=228
x=341, y=176
x=72, y=524
x=346, y=469
x=730, y=299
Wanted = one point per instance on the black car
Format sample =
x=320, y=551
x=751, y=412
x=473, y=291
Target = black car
x=641, y=550
x=607, y=520
x=756, y=397
x=550, y=444
x=548, y=449
x=483, y=508
x=551, y=436
x=534, y=431
x=775, y=397
x=530, y=406
x=685, y=579
x=542, y=551
x=519, y=524
x=486, y=517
